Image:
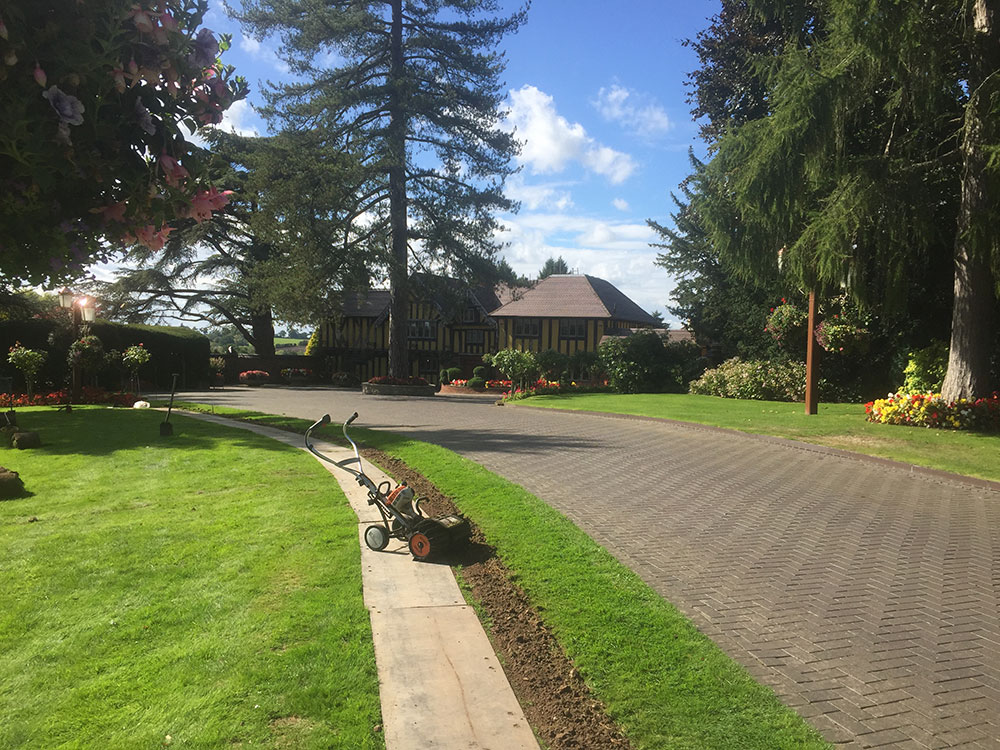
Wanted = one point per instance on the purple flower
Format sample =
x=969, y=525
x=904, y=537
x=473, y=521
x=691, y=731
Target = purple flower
x=69, y=108
x=144, y=118
x=206, y=49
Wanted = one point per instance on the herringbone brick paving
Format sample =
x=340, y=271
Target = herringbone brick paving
x=867, y=597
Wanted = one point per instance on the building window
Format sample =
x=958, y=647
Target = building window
x=475, y=337
x=572, y=329
x=423, y=329
x=470, y=315
x=526, y=327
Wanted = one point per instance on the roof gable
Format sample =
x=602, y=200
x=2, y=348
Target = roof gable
x=575, y=296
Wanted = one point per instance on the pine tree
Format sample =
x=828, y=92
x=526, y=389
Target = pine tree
x=418, y=97
x=553, y=266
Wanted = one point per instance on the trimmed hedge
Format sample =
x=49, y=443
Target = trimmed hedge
x=173, y=349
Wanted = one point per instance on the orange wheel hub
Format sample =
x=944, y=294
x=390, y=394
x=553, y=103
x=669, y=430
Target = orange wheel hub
x=420, y=545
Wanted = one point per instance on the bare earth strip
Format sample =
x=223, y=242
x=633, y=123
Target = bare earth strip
x=867, y=596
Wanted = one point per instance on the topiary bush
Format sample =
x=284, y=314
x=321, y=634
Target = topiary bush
x=479, y=383
x=454, y=373
x=443, y=377
x=479, y=372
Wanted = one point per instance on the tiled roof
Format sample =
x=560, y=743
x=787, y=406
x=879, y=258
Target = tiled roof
x=575, y=296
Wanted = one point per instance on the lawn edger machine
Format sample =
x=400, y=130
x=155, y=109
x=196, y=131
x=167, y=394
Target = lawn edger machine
x=402, y=518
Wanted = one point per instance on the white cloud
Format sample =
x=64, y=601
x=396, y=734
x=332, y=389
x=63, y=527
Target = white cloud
x=235, y=119
x=551, y=196
x=550, y=142
x=620, y=203
x=250, y=45
x=616, y=251
x=637, y=113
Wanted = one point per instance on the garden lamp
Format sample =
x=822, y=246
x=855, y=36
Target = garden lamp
x=87, y=310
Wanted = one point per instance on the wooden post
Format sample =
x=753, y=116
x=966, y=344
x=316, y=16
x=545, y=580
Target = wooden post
x=811, y=356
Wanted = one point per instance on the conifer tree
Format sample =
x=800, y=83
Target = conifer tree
x=415, y=92
x=274, y=251
x=873, y=127
x=553, y=266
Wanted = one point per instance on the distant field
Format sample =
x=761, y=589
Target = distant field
x=290, y=342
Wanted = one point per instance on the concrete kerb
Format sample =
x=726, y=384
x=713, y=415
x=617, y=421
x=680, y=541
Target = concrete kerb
x=440, y=683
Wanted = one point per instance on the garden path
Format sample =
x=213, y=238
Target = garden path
x=867, y=595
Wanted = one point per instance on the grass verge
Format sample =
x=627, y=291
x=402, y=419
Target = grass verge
x=840, y=426
x=202, y=586
x=664, y=682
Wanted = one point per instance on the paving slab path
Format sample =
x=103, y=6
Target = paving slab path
x=866, y=595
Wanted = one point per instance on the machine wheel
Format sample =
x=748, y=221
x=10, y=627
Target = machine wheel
x=376, y=537
x=420, y=545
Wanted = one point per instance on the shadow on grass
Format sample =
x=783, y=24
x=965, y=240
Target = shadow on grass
x=110, y=430
x=462, y=440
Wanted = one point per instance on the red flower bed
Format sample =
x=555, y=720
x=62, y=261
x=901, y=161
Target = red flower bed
x=58, y=398
x=389, y=380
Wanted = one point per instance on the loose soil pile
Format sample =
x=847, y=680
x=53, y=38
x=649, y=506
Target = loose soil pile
x=555, y=699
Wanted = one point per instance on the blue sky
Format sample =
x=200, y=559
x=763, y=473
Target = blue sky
x=596, y=93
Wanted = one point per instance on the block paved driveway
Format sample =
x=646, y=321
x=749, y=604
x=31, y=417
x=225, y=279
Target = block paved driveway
x=868, y=597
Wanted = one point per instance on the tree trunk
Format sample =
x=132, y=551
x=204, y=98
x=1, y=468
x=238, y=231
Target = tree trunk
x=399, y=365
x=972, y=312
x=262, y=327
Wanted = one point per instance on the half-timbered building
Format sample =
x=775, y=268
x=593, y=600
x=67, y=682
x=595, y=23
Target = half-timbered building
x=453, y=325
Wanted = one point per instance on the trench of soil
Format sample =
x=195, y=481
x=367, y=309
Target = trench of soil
x=557, y=702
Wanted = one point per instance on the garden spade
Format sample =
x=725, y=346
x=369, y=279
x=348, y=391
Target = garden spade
x=166, y=428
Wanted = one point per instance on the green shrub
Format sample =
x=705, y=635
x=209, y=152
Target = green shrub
x=645, y=363
x=926, y=368
x=585, y=365
x=479, y=372
x=764, y=380
x=552, y=364
x=454, y=373
x=520, y=367
x=443, y=378
x=476, y=382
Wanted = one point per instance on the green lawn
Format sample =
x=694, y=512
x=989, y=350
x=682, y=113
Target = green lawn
x=836, y=425
x=204, y=586
x=662, y=680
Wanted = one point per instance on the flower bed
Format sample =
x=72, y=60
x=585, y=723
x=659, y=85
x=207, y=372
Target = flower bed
x=488, y=385
x=544, y=387
x=88, y=395
x=384, y=385
x=930, y=410
x=254, y=377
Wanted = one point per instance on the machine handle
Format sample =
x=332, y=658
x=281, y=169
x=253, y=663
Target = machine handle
x=320, y=422
x=350, y=419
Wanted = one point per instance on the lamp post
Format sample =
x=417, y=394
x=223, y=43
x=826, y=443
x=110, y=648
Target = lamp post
x=82, y=310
